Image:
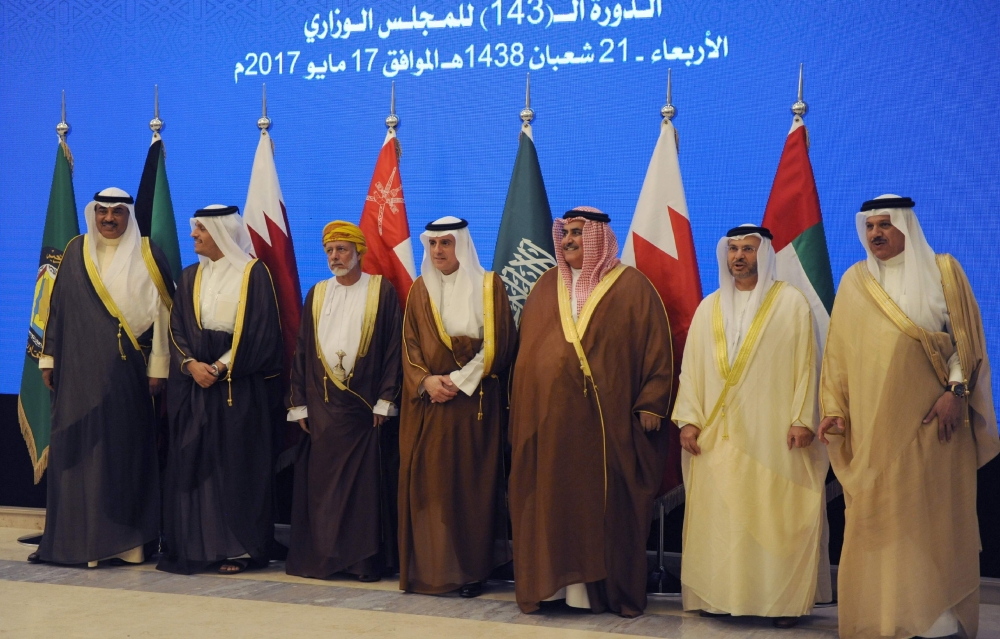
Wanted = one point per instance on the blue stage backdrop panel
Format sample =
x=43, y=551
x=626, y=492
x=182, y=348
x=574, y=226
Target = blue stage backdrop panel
x=901, y=96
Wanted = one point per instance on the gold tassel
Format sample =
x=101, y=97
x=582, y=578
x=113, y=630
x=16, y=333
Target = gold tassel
x=480, y=416
x=326, y=396
x=584, y=378
x=120, y=349
x=229, y=380
x=725, y=425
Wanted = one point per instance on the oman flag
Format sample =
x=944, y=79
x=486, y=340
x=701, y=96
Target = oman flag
x=266, y=219
x=793, y=217
x=384, y=223
x=660, y=245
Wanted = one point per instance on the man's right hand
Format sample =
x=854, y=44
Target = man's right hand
x=47, y=378
x=202, y=374
x=689, y=439
x=440, y=388
x=305, y=425
x=832, y=425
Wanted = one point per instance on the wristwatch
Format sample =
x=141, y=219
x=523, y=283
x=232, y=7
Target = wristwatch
x=960, y=390
x=215, y=372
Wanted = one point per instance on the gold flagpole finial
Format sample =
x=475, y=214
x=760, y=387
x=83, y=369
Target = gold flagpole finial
x=800, y=107
x=527, y=114
x=668, y=111
x=156, y=123
x=392, y=121
x=264, y=123
x=63, y=128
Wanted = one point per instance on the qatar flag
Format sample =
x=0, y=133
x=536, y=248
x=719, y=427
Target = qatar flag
x=384, y=223
x=266, y=219
x=660, y=245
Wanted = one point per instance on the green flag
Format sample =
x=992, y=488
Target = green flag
x=34, y=402
x=153, y=209
x=524, y=247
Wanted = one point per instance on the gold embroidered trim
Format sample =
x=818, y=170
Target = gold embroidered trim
x=155, y=275
x=746, y=349
x=959, y=320
x=885, y=303
x=371, y=311
x=241, y=312
x=406, y=348
x=319, y=295
x=109, y=302
x=444, y=337
x=489, y=327
x=719, y=333
x=53, y=288
x=196, y=297
x=587, y=312
x=571, y=335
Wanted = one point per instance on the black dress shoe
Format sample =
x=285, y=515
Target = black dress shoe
x=469, y=591
x=34, y=558
x=368, y=579
x=785, y=622
x=712, y=615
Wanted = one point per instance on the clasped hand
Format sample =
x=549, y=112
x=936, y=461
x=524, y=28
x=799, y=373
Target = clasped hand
x=202, y=373
x=440, y=388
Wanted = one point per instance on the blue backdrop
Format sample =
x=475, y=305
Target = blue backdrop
x=901, y=95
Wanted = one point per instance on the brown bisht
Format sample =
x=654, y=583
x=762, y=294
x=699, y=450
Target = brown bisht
x=218, y=492
x=103, y=495
x=911, y=537
x=452, y=511
x=584, y=473
x=346, y=471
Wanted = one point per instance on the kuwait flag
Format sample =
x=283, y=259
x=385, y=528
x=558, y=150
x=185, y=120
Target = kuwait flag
x=154, y=210
x=34, y=408
x=660, y=245
x=384, y=223
x=266, y=219
x=524, y=247
x=794, y=218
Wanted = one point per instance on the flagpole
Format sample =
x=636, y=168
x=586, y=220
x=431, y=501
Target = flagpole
x=668, y=111
x=156, y=123
x=264, y=122
x=61, y=130
x=527, y=114
x=392, y=121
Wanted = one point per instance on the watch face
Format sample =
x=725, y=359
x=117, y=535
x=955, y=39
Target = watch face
x=960, y=390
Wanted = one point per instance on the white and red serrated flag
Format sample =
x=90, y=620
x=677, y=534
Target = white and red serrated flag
x=661, y=246
x=384, y=223
x=267, y=220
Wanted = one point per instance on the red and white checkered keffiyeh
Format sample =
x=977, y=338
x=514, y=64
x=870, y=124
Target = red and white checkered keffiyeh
x=600, y=255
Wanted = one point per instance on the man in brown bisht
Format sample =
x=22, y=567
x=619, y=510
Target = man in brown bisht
x=345, y=384
x=591, y=387
x=909, y=418
x=459, y=339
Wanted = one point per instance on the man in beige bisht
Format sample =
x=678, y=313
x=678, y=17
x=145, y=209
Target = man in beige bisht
x=909, y=414
x=754, y=476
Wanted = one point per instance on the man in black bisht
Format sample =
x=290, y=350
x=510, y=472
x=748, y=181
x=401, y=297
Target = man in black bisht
x=105, y=355
x=226, y=340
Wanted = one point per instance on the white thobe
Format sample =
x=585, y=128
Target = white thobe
x=468, y=377
x=159, y=357
x=340, y=324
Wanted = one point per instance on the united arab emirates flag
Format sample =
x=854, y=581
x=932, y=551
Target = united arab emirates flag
x=793, y=216
x=524, y=248
x=154, y=210
x=61, y=225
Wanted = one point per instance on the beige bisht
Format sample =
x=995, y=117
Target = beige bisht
x=754, y=509
x=911, y=544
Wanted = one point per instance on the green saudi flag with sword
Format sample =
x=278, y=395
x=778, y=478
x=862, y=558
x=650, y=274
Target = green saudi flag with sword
x=61, y=225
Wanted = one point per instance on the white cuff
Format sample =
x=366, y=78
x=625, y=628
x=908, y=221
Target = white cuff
x=184, y=365
x=955, y=369
x=226, y=358
x=386, y=409
x=46, y=361
x=468, y=377
x=295, y=413
x=159, y=366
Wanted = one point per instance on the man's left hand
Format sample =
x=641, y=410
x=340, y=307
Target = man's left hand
x=948, y=410
x=156, y=385
x=379, y=420
x=649, y=422
x=799, y=437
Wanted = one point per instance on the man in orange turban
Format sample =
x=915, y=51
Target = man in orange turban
x=345, y=385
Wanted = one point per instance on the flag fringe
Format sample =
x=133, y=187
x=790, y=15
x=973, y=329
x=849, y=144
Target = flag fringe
x=69, y=158
x=39, y=464
x=671, y=499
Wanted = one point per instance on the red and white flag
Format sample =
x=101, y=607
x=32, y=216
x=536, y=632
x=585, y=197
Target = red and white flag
x=660, y=245
x=266, y=219
x=384, y=223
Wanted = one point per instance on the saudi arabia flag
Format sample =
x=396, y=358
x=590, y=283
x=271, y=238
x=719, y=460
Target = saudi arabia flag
x=34, y=401
x=154, y=210
x=793, y=216
x=524, y=248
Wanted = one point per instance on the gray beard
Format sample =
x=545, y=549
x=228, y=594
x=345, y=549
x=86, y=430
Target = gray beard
x=743, y=276
x=341, y=272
